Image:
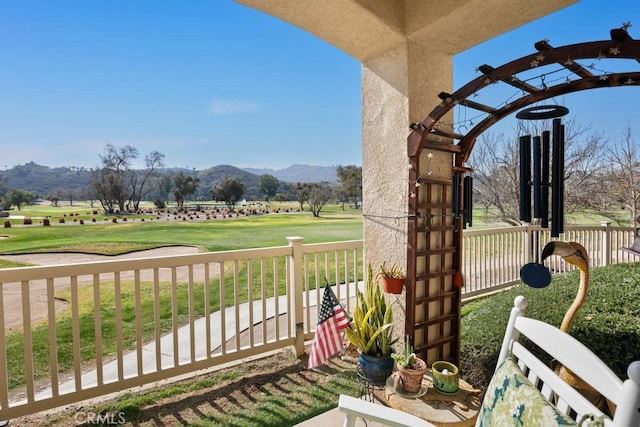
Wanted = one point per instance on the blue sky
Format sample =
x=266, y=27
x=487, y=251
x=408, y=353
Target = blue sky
x=215, y=82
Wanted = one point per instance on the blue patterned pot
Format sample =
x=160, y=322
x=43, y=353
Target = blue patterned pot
x=376, y=369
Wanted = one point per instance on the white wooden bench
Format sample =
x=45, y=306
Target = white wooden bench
x=524, y=387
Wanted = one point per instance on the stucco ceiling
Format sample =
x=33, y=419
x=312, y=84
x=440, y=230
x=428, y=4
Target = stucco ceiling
x=367, y=28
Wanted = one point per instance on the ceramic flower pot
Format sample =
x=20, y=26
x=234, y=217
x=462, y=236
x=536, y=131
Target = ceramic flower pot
x=376, y=369
x=445, y=377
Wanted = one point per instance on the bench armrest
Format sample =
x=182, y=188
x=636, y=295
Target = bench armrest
x=358, y=408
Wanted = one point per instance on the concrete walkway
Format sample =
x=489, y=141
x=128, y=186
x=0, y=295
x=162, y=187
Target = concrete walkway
x=130, y=360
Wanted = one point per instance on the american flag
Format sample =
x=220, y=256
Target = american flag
x=329, y=336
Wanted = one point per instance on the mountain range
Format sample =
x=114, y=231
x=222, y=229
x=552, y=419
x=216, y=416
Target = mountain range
x=43, y=180
x=300, y=173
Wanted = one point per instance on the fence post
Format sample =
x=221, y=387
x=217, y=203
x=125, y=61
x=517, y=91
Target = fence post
x=296, y=293
x=606, y=242
x=528, y=244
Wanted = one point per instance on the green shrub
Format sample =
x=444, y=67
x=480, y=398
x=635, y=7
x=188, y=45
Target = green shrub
x=608, y=323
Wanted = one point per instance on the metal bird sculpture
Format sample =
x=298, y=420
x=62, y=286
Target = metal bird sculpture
x=575, y=254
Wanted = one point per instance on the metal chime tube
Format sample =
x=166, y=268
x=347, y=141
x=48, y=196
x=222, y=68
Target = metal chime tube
x=468, y=200
x=561, y=186
x=556, y=180
x=456, y=196
x=537, y=178
x=525, y=178
x=544, y=205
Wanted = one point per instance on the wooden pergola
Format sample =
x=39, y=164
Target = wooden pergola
x=436, y=212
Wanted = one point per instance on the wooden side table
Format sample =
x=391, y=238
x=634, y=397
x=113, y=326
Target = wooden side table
x=456, y=410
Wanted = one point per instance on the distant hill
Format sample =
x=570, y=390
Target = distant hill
x=64, y=181
x=300, y=173
x=43, y=180
x=209, y=177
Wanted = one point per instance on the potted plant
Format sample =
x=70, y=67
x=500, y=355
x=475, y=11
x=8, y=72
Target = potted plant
x=372, y=331
x=393, y=278
x=410, y=369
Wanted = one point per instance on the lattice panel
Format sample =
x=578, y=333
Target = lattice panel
x=432, y=301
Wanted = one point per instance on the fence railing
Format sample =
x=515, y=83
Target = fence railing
x=492, y=258
x=138, y=321
x=88, y=329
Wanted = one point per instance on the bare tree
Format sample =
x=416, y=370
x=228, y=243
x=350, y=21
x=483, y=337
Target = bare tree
x=495, y=163
x=116, y=185
x=624, y=174
x=110, y=182
x=140, y=182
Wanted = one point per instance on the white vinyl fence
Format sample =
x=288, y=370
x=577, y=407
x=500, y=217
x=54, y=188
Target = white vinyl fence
x=139, y=321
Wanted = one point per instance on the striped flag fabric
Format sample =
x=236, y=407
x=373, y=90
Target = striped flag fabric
x=329, y=338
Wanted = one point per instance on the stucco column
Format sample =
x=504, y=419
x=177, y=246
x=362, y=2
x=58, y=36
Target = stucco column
x=398, y=88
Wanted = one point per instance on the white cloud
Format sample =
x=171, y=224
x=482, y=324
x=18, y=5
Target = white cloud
x=232, y=106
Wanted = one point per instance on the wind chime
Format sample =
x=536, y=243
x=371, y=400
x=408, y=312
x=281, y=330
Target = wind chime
x=535, y=154
x=467, y=199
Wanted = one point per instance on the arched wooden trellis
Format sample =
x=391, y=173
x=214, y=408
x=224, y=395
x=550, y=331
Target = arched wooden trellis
x=434, y=233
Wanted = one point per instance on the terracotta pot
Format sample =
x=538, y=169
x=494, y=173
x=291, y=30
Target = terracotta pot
x=411, y=379
x=392, y=285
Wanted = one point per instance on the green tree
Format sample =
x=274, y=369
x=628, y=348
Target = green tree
x=268, y=185
x=301, y=193
x=183, y=186
x=164, y=186
x=20, y=198
x=342, y=195
x=53, y=198
x=230, y=190
x=3, y=191
x=319, y=195
x=350, y=178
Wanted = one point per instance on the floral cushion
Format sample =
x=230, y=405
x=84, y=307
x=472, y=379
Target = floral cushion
x=511, y=400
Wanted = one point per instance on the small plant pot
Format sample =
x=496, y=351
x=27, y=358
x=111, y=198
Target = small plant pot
x=392, y=285
x=445, y=377
x=411, y=379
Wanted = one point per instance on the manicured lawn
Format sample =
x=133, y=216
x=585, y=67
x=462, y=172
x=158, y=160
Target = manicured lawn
x=115, y=238
x=108, y=238
x=608, y=322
